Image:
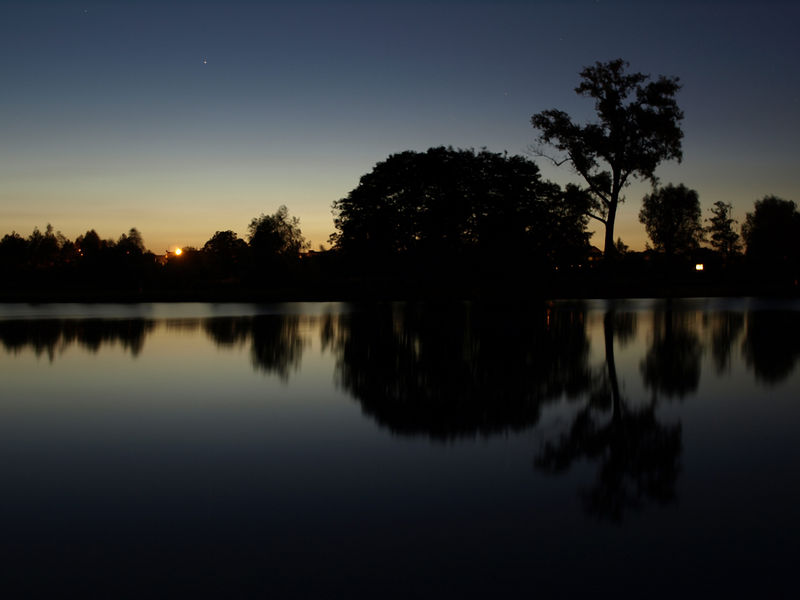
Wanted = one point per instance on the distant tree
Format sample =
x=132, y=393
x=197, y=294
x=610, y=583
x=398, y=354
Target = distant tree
x=132, y=243
x=276, y=238
x=446, y=204
x=772, y=232
x=43, y=248
x=720, y=230
x=89, y=244
x=13, y=251
x=638, y=128
x=671, y=216
x=224, y=252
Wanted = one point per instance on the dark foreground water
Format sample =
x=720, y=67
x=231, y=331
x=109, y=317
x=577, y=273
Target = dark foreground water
x=645, y=448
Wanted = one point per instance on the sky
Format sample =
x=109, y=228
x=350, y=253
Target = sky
x=186, y=118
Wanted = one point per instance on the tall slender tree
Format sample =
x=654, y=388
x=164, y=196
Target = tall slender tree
x=722, y=236
x=638, y=127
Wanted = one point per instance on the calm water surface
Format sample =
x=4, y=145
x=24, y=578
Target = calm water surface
x=627, y=447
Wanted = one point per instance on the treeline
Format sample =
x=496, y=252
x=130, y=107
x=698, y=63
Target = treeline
x=457, y=223
x=48, y=264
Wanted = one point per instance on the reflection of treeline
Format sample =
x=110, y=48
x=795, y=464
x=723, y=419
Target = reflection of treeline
x=458, y=370
x=49, y=336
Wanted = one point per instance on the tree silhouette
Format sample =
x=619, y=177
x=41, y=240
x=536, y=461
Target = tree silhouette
x=772, y=235
x=275, y=242
x=225, y=253
x=671, y=216
x=720, y=230
x=638, y=128
x=276, y=235
x=446, y=206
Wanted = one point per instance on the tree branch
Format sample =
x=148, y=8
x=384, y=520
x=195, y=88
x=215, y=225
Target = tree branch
x=593, y=216
x=538, y=152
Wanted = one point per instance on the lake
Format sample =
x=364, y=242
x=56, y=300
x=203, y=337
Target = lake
x=645, y=447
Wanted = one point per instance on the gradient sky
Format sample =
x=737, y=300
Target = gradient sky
x=184, y=118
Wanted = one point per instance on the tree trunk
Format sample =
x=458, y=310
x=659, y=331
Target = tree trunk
x=610, y=249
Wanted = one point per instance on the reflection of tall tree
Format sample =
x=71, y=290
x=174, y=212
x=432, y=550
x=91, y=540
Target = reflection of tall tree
x=49, y=335
x=725, y=329
x=771, y=345
x=458, y=369
x=639, y=457
x=672, y=364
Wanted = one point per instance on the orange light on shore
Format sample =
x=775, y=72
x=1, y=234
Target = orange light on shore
x=699, y=267
x=178, y=251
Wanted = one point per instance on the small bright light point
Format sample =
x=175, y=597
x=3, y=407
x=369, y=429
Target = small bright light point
x=698, y=267
x=178, y=251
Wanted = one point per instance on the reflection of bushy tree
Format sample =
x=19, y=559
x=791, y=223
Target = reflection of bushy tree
x=638, y=456
x=228, y=331
x=672, y=364
x=771, y=345
x=277, y=344
x=459, y=369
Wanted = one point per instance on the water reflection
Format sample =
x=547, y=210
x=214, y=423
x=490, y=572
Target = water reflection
x=638, y=456
x=276, y=343
x=671, y=367
x=771, y=346
x=458, y=370
x=51, y=336
x=726, y=328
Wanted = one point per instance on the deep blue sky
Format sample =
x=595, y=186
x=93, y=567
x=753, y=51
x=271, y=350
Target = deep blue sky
x=183, y=118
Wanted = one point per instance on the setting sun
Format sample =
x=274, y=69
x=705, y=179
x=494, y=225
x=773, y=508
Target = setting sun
x=178, y=251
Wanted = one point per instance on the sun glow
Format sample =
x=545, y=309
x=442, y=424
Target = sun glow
x=178, y=251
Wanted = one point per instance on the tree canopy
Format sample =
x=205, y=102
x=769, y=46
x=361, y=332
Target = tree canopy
x=276, y=236
x=459, y=204
x=772, y=231
x=671, y=216
x=638, y=127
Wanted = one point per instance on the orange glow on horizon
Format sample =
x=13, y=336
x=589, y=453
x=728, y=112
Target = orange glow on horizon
x=178, y=251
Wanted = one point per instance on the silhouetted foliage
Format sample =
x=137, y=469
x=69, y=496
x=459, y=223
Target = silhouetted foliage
x=451, y=207
x=276, y=238
x=458, y=369
x=771, y=346
x=638, y=128
x=772, y=235
x=671, y=216
x=638, y=456
x=225, y=254
x=722, y=237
